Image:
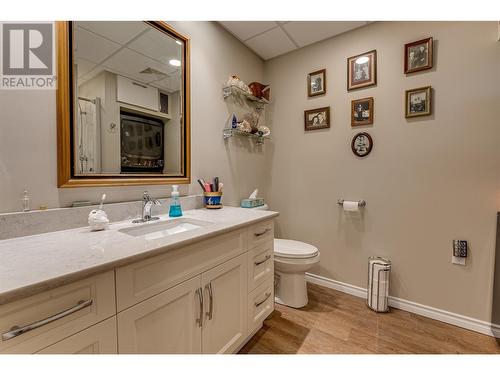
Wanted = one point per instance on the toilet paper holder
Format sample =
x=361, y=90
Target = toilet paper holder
x=361, y=203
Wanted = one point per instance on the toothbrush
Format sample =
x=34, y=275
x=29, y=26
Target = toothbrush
x=103, y=197
x=202, y=183
x=220, y=186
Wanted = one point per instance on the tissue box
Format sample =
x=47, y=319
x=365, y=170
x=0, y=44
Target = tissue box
x=251, y=203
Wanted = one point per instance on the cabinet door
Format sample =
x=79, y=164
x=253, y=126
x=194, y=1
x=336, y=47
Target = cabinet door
x=166, y=323
x=225, y=323
x=98, y=339
x=137, y=93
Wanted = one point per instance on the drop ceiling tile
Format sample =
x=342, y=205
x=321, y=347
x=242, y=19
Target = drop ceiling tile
x=170, y=84
x=130, y=64
x=118, y=31
x=93, y=47
x=308, y=32
x=91, y=74
x=248, y=29
x=271, y=44
x=157, y=45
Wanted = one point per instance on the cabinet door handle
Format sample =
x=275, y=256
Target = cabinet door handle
x=199, y=320
x=17, y=331
x=258, y=263
x=262, y=233
x=210, y=312
x=257, y=304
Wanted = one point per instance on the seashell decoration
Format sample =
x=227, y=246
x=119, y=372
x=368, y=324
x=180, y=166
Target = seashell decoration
x=259, y=90
x=245, y=126
x=264, y=131
x=234, y=80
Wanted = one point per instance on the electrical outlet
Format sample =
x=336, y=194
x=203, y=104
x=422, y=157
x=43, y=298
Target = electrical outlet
x=459, y=252
x=460, y=248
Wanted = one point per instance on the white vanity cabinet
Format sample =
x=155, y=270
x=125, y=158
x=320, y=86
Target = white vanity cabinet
x=36, y=322
x=205, y=314
x=226, y=298
x=98, y=339
x=165, y=323
x=210, y=296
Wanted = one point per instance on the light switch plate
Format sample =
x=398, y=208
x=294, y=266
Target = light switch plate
x=458, y=260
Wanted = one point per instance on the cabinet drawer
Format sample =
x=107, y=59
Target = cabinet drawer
x=260, y=264
x=144, y=279
x=98, y=339
x=260, y=233
x=56, y=314
x=260, y=304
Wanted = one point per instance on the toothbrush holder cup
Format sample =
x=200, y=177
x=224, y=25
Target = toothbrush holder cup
x=212, y=199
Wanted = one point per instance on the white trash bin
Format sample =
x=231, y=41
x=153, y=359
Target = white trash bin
x=377, y=297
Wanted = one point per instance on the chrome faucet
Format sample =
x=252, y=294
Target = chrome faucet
x=147, y=203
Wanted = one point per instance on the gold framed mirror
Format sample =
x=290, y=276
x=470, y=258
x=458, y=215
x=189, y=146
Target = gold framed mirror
x=123, y=104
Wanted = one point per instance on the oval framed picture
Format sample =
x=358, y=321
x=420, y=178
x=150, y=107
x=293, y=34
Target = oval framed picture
x=362, y=144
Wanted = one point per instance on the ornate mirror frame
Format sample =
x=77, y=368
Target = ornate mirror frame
x=65, y=175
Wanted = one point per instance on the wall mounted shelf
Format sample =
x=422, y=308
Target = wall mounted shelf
x=232, y=90
x=229, y=132
x=257, y=103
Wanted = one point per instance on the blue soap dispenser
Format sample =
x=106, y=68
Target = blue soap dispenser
x=175, y=206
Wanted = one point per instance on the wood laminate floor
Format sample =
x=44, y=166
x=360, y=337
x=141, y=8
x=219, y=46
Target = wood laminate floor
x=335, y=322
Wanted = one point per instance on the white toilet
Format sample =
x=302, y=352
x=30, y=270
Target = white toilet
x=292, y=259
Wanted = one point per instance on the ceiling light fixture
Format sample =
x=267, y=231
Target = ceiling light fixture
x=174, y=62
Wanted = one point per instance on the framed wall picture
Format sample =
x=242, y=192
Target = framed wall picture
x=418, y=102
x=316, y=83
x=318, y=118
x=362, y=70
x=418, y=55
x=362, y=112
x=362, y=144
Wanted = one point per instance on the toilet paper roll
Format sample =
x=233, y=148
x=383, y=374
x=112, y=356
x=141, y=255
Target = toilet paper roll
x=350, y=206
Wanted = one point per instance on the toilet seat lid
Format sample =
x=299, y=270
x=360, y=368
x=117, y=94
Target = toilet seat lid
x=294, y=249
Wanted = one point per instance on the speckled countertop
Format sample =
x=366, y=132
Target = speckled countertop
x=32, y=264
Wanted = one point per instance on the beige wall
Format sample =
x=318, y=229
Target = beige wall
x=426, y=182
x=28, y=132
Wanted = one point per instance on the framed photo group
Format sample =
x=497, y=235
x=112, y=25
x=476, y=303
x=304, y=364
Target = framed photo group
x=418, y=102
x=418, y=57
x=362, y=73
x=362, y=70
x=318, y=118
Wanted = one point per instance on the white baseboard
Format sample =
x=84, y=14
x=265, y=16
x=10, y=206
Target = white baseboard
x=462, y=321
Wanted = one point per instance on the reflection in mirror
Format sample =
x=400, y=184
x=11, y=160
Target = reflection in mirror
x=128, y=100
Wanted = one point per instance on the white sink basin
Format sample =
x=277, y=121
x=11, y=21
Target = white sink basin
x=160, y=229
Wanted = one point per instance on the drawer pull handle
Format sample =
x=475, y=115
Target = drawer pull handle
x=210, y=311
x=268, y=256
x=262, y=233
x=199, y=320
x=16, y=331
x=257, y=304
